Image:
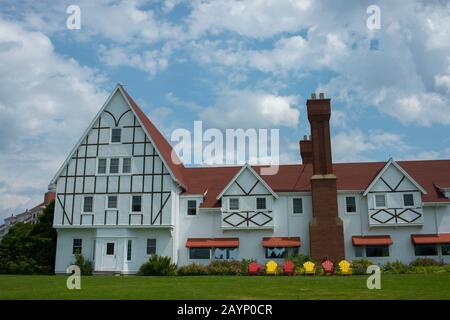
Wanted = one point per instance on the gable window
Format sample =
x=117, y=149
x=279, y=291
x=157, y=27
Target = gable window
x=297, y=205
x=191, y=207
x=234, y=203
x=126, y=165
x=129, y=245
x=112, y=202
x=225, y=253
x=77, y=246
x=114, y=165
x=408, y=200
x=101, y=168
x=261, y=204
x=425, y=250
x=151, y=246
x=199, y=253
x=136, y=203
x=377, y=251
x=380, y=201
x=116, y=135
x=88, y=204
x=350, y=204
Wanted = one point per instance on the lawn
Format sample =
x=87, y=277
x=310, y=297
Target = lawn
x=407, y=286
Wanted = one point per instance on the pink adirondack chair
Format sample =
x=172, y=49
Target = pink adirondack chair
x=288, y=268
x=328, y=267
x=254, y=268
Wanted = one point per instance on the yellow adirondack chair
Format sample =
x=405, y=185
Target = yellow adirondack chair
x=345, y=267
x=310, y=268
x=271, y=267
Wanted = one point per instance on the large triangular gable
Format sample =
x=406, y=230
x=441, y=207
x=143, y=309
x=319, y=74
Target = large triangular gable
x=396, y=184
x=248, y=192
x=162, y=147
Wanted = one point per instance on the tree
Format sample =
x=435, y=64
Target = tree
x=30, y=249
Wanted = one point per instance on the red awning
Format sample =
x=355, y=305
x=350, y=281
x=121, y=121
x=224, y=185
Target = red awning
x=272, y=242
x=430, y=238
x=212, y=243
x=371, y=240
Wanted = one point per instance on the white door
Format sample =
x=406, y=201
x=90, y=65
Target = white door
x=110, y=255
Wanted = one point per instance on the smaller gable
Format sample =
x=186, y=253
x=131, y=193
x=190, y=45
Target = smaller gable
x=254, y=184
x=392, y=177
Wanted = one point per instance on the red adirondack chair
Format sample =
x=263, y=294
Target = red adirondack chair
x=254, y=268
x=328, y=267
x=288, y=268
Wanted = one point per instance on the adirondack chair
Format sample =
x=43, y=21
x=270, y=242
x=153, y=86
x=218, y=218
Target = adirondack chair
x=271, y=267
x=289, y=268
x=345, y=267
x=254, y=268
x=310, y=268
x=328, y=267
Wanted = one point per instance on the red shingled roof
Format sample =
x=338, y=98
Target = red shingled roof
x=164, y=148
x=296, y=177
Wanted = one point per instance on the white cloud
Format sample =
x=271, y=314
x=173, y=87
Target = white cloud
x=248, y=109
x=46, y=101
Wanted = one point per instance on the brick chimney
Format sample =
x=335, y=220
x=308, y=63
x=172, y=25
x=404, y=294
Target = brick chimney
x=49, y=197
x=326, y=229
x=306, y=150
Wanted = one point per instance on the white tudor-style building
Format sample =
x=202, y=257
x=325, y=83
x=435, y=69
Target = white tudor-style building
x=122, y=195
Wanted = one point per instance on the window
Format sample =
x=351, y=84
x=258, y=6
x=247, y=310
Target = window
x=191, y=207
x=101, y=169
x=234, y=203
x=88, y=204
x=358, y=251
x=408, y=200
x=350, y=204
x=425, y=250
x=377, y=251
x=110, y=248
x=114, y=165
x=77, y=246
x=199, y=253
x=261, y=204
x=126, y=165
x=136, y=203
x=281, y=252
x=129, y=244
x=151, y=246
x=225, y=253
x=112, y=202
x=297, y=205
x=380, y=200
x=116, y=134
x=445, y=249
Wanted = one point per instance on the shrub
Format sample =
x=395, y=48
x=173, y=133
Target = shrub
x=422, y=262
x=429, y=269
x=359, y=266
x=85, y=266
x=225, y=267
x=193, y=269
x=158, y=266
x=299, y=271
x=244, y=265
x=395, y=267
x=299, y=259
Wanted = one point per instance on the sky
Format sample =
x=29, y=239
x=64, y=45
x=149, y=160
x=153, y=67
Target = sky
x=231, y=64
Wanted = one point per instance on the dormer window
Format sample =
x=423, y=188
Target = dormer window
x=116, y=135
x=380, y=201
x=408, y=200
x=261, y=204
x=234, y=203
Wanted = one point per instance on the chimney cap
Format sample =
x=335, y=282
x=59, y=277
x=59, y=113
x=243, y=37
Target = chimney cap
x=321, y=95
x=313, y=96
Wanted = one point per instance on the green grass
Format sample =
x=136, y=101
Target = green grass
x=407, y=286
